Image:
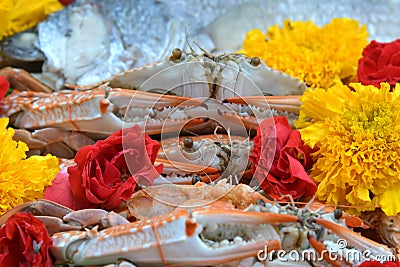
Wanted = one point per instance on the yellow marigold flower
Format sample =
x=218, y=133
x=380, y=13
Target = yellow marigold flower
x=321, y=57
x=21, y=179
x=358, y=135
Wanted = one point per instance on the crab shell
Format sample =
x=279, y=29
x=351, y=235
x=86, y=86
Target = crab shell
x=205, y=75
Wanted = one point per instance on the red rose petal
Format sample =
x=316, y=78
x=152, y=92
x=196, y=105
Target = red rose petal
x=60, y=191
x=4, y=86
x=373, y=50
x=123, y=192
x=393, y=74
x=287, y=174
x=386, y=54
x=380, y=63
x=379, y=264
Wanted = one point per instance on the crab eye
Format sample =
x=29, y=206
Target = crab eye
x=338, y=214
x=176, y=54
x=255, y=61
x=196, y=179
x=188, y=142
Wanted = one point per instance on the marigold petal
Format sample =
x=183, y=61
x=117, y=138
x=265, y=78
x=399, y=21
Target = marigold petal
x=389, y=200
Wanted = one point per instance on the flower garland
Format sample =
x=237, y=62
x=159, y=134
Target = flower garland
x=22, y=179
x=321, y=57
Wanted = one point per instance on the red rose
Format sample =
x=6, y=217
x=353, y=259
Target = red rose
x=24, y=241
x=4, y=86
x=280, y=160
x=380, y=63
x=379, y=264
x=107, y=172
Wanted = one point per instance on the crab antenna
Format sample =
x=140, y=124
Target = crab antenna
x=202, y=49
x=307, y=206
x=188, y=42
x=211, y=181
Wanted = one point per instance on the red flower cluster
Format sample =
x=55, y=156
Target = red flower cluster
x=380, y=63
x=280, y=160
x=4, y=86
x=24, y=241
x=106, y=173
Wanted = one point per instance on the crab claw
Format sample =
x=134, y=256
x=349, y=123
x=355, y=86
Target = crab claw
x=250, y=122
x=203, y=237
x=184, y=173
x=100, y=111
x=250, y=110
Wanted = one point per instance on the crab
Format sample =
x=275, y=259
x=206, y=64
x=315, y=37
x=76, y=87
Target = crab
x=216, y=232
x=209, y=236
x=183, y=74
x=225, y=82
x=224, y=154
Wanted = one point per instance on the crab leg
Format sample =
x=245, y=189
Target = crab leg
x=249, y=122
x=321, y=249
x=170, y=125
x=355, y=239
x=256, y=108
x=50, y=213
x=21, y=80
x=280, y=103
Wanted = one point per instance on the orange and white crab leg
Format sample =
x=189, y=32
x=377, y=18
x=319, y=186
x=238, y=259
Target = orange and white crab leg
x=280, y=103
x=355, y=239
x=256, y=108
x=184, y=173
x=321, y=248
